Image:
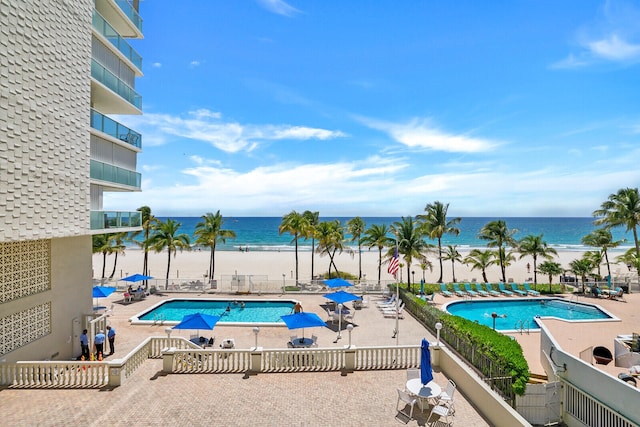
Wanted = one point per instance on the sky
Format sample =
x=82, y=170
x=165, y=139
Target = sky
x=377, y=108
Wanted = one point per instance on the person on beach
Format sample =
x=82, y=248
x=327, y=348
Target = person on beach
x=111, y=336
x=84, y=344
x=99, y=344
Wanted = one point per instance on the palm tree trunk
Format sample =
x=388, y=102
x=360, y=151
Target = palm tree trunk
x=296, y=238
x=359, y=261
x=166, y=283
x=379, y=264
x=115, y=262
x=212, y=248
x=635, y=239
x=409, y=276
x=104, y=262
x=606, y=258
x=453, y=270
x=484, y=276
x=440, y=259
x=535, y=271
x=313, y=249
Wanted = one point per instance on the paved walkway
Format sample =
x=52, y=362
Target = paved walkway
x=149, y=398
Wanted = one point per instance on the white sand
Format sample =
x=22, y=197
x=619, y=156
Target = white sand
x=194, y=265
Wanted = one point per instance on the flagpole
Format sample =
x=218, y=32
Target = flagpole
x=397, y=300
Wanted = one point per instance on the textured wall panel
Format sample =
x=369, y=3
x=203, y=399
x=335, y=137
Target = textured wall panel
x=24, y=269
x=23, y=327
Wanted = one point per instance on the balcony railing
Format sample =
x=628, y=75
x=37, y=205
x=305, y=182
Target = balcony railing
x=131, y=13
x=104, y=28
x=105, y=172
x=101, y=220
x=109, y=126
x=111, y=81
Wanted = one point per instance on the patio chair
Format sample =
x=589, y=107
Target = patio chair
x=490, y=289
x=504, y=290
x=350, y=315
x=529, y=290
x=330, y=316
x=293, y=338
x=413, y=373
x=365, y=302
x=479, y=290
x=442, y=411
x=444, y=291
x=314, y=338
x=467, y=287
x=447, y=395
x=518, y=291
x=458, y=291
x=407, y=399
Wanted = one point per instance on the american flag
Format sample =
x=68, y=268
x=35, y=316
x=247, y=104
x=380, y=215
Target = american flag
x=394, y=264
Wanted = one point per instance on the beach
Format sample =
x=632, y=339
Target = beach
x=194, y=265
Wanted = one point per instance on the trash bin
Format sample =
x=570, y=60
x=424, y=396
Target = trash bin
x=214, y=284
x=625, y=288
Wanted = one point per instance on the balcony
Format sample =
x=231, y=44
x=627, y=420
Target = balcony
x=111, y=221
x=113, y=174
x=112, y=128
x=109, y=33
x=122, y=15
x=104, y=101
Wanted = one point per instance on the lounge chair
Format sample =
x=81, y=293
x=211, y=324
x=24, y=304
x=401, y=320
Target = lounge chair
x=444, y=291
x=458, y=291
x=491, y=291
x=479, y=290
x=617, y=293
x=386, y=302
x=529, y=290
x=393, y=309
x=392, y=313
x=518, y=291
x=430, y=299
x=467, y=287
x=504, y=290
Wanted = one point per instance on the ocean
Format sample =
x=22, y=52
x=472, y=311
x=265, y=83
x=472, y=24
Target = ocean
x=261, y=233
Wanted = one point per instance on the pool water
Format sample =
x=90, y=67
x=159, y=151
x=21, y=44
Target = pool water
x=517, y=314
x=260, y=312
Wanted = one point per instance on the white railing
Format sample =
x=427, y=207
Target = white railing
x=295, y=360
x=205, y=360
x=54, y=374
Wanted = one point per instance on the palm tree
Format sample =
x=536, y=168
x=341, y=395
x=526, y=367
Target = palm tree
x=581, y=267
x=165, y=236
x=451, y=254
x=550, y=268
x=480, y=260
x=355, y=227
x=116, y=242
x=534, y=245
x=435, y=225
x=603, y=239
x=498, y=236
x=313, y=219
x=424, y=265
x=629, y=258
x=149, y=221
x=622, y=209
x=330, y=235
x=295, y=224
x=100, y=243
x=596, y=258
x=378, y=236
x=410, y=244
x=209, y=232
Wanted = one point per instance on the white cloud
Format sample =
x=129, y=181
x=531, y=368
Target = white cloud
x=278, y=7
x=194, y=64
x=420, y=133
x=614, y=48
x=207, y=126
x=570, y=61
x=156, y=65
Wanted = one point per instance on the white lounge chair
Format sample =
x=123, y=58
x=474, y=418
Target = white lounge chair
x=393, y=313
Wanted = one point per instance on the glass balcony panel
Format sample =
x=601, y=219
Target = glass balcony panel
x=110, y=80
x=105, y=172
x=101, y=220
x=131, y=13
x=104, y=28
x=117, y=130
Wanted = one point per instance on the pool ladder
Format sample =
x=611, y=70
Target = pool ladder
x=158, y=319
x=522, y=326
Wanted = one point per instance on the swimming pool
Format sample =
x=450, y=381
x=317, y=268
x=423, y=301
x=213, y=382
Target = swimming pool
x=519, y=314
x=254, y=312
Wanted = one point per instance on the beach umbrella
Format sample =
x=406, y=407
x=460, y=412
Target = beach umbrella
x=136, y=278
x=426, y=372
x=342, y=297
x=102, y=292
x=337, y=283
x=302, y=320
x=198, y=321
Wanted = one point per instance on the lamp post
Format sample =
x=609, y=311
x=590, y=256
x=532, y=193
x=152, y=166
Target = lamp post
x=283, y=276
x=168, y=331
x=339, y=321
x=349, y=328
x=413, y=278
x=438, y=328
x=256, y=331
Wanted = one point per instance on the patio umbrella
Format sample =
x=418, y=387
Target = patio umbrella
x=102, y=292
x=426, y=373
x=198, y=321
x=136, y=278
x=302, y=320
x=341, y=297
x=337, y=283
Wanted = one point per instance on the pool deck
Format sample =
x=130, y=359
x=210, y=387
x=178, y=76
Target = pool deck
x=151, y=398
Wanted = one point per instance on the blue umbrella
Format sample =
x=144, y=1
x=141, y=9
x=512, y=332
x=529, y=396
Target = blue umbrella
x=337, y=283
x=426, y=373
x=302, y=320
x=341, y=297
x=198, y=321
x=136, y=278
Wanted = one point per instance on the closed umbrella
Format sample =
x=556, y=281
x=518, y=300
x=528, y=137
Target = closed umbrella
x=337, y=283
x=426, y=372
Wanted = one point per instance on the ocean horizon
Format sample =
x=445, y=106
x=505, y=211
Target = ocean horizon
x=261, y=233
